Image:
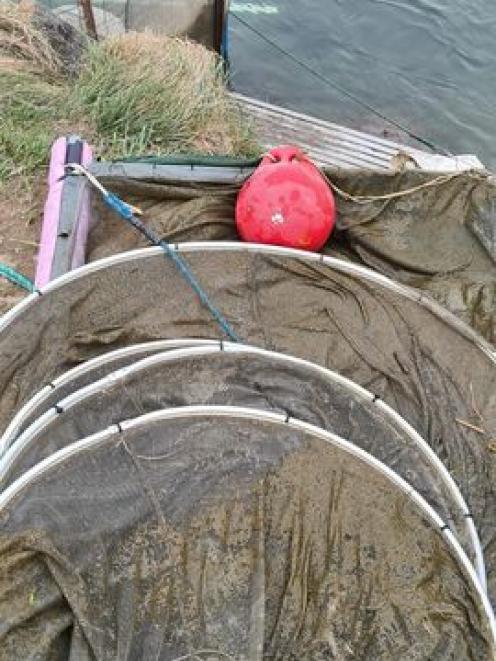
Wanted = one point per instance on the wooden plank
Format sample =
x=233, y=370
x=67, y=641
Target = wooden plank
x=302, y=119
x=333, y=145
x=219, y=21
x=265, y=119
x=262, y=116
x=327, y=152
x=151, y=172
x=326, y=149
x=328, y=155
x=89, y=18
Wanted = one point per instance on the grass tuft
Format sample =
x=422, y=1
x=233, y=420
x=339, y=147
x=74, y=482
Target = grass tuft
x=145, y=93
x=135, y=95
x=29, y=108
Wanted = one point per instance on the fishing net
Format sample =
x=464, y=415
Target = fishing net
x=439, y=238
x=436, y=374
x=245, y=377
x=228, y=537
x=82, y=375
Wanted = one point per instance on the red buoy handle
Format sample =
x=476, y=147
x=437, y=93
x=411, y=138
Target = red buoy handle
x=283, y=154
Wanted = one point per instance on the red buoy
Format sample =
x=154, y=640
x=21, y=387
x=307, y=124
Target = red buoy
x=286, y=202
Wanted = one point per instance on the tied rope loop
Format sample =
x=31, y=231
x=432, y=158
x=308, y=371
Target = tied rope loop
x=366, y=199
x=130, y=214
x=439, y=180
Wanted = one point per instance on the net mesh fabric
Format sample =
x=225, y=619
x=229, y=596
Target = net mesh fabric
x=247, y=380
x=423, y=367
x=245, y=538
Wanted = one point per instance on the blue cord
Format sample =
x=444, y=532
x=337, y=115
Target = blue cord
x=126, y=212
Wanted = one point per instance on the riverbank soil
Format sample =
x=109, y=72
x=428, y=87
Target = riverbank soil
x=20, y=225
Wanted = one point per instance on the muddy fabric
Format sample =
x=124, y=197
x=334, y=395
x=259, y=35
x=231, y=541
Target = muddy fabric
x=246, y=380
x=61, y=388
x=438, y=379
x=439, y=239
x=247, y=538
x=177, y=212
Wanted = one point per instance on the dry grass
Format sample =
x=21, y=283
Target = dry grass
x=135, y=95
x=30, y=108
x=31, y=93
x=146, y=93
x=22, y=43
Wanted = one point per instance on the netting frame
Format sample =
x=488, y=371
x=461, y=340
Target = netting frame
x=334, y=263
x=10, y=452
x=191, y=412
x=13, y=429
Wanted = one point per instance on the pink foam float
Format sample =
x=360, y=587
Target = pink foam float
x=66, y=216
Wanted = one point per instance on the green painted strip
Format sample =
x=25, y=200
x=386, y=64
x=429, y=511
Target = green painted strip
x=193, y=160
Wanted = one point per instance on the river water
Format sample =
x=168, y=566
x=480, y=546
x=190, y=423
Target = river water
x=429, y=64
